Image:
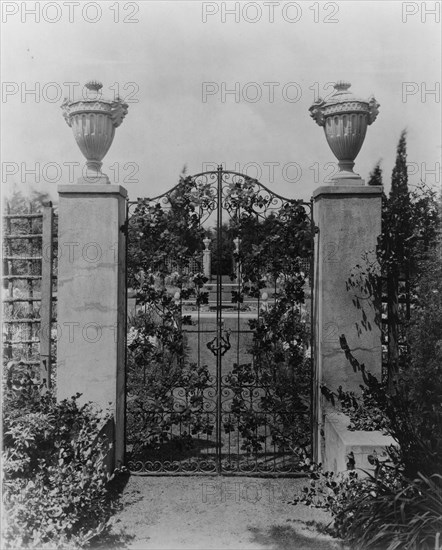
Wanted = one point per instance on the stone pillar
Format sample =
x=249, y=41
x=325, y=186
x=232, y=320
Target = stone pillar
x=207, y=269
x=349, y=222
x=91, y=306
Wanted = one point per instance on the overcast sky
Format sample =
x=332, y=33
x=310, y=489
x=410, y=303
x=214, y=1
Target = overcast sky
x=174, y=61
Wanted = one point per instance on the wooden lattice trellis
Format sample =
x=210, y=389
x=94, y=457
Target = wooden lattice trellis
x=28, y=288
x=396, y=310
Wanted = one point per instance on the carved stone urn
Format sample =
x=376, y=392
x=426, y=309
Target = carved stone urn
x=93, y=123
x=345, y=118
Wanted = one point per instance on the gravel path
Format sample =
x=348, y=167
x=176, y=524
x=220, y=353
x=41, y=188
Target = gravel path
x=217, y=513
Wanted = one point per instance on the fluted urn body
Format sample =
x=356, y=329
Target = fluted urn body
x=345, y=118
x=93, y=123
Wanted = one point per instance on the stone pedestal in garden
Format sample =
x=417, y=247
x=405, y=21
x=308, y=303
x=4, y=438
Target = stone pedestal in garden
x=349, y=222
x=91, y=299
x=207, y=267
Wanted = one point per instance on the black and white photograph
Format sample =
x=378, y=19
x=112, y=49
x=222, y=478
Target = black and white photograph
x=222, y=275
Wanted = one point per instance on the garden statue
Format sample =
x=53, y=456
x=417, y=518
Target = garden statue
x=207, y=258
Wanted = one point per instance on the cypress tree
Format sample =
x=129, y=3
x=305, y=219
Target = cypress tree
x=396, y=247
x=376, y=175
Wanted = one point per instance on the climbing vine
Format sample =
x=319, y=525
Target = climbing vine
x=269, y=395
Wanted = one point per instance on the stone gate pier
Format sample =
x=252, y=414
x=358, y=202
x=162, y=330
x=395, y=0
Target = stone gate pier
x=348, y=216
x=91, y=300
x=92, y=271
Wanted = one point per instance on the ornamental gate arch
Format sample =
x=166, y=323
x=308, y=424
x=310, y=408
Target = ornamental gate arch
x=219, y=352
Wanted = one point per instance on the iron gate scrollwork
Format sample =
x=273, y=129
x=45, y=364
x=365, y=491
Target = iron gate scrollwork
x=219, y=375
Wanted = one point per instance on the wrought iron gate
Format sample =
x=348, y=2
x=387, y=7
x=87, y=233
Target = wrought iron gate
x=219, y=375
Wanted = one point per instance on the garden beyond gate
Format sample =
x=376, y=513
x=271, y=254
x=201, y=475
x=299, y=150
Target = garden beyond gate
x=219, y=351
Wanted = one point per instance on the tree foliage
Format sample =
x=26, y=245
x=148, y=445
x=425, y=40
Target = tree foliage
x=410, y=221
x=158, y=233
x=275, y=245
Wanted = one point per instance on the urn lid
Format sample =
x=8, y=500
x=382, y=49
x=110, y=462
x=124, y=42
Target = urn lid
x=90, y=102
x=94, y=85
x=91, y=91
x=342, y=93
x=343, y=101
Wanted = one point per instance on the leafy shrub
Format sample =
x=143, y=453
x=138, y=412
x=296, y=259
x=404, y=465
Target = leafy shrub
x=160, y=232
x=382, y=511
x=55, y=487
x=424, y=370
x=165, y=392
x=412, y=404
x=363, y=410
x=399, y=506
x=277, y=383
x=283, y=410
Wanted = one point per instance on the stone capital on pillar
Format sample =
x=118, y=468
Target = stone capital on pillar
x=348, y=218
x=91, y=313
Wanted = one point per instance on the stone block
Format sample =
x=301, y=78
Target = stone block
x=339, y=442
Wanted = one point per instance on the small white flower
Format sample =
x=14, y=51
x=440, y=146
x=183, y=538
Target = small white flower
x=153, y=340
x=132, y=335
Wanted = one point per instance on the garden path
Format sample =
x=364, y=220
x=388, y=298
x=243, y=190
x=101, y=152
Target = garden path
x=217, y=513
